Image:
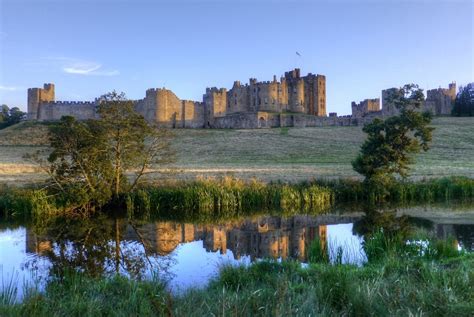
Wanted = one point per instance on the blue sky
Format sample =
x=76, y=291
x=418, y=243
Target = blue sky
x=90, y=47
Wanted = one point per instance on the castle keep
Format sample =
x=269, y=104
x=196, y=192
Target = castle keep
x=291, y=101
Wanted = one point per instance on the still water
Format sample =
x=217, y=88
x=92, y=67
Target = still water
x=189, y=254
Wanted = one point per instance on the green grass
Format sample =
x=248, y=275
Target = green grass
x=293, y=154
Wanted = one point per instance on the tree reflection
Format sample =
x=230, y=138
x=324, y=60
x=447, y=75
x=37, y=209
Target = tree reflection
x=387, y=220
x=96, y=246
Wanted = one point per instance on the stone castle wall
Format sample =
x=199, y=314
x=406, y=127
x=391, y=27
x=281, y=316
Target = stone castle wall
x=365, y=107
x=51, y=111
x=251, y=120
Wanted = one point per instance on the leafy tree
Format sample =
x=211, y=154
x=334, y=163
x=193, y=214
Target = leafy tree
x=9, y=116
x=464, y=103
x=131, y=142
x=387, y=151
x=78, y=166
x=94, y=162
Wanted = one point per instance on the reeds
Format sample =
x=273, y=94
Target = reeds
x=229, y=197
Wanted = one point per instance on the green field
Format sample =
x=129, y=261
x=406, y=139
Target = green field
x=292, y=154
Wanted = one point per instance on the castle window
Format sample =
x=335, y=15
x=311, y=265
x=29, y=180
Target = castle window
x=266, y=100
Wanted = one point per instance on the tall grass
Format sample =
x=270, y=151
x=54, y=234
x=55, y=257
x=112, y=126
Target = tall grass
x=30, y=203
x=386, y=288
x=229, y=197
x=423, y=191
x=78, y=295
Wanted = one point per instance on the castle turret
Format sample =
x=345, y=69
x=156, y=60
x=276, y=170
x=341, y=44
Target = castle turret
x=36, y=96
x=215, y=102
x=452, y=91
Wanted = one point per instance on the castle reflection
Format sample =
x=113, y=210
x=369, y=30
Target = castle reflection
x=260, y=237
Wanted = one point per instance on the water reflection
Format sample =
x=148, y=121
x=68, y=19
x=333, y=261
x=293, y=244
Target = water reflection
x=108, y=245
x=188, y=254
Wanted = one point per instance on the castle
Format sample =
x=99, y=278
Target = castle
x=243, y=106
x=291, y=101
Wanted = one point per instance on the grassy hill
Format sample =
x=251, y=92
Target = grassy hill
x=270, y=154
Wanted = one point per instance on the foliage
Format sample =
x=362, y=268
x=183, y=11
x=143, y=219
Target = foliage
x=464, y=103
x=391, y=142
x=9, y=116
x=89, y=159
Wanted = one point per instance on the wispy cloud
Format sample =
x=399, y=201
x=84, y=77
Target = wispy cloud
x=9, y=88
x=88, y=69
x=75, y=66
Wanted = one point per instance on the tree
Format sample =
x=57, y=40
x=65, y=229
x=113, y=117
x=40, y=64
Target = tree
x=9, y=116
x=131, y=142
x=96, y=161
x=79, y=165
x=464, y=103
x=387, y=151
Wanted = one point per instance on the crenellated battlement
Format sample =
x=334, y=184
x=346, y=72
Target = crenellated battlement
x=72, y=103
x=365, y=107
x=215, y=90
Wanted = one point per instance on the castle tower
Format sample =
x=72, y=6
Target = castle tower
x=320, y=96
x=36, y=96
x=315, y=94
x=215, y=102
x=388, y=107
x=452, y=91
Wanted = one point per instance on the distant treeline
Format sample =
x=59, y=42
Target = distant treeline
x=464, y=103
x=11, y=116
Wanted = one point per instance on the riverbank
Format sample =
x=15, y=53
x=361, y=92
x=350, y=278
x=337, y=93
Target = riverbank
x=398, y=279
x=210, y=199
